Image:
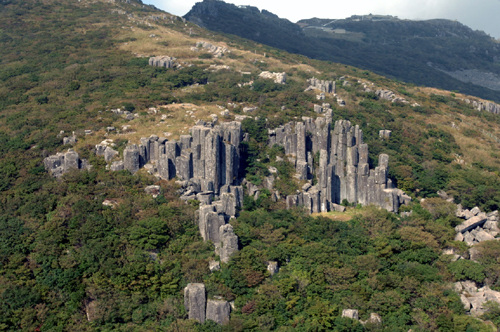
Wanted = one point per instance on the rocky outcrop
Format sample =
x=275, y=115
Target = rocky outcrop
x=374, y=319
x=200, y=309
x=229, y=243
x=131, y=160
x=217, y=51
x=195, y=301
x=477, y=227
x=350, y=313
x=272, y=267
x=162, y=61
x=279, y=78
x=61, y=163
x=484, y=106
x=389, y=95
x=218, y=311
x=327, y=87
x=384, y=133
x=342, y=170
x=473, y=298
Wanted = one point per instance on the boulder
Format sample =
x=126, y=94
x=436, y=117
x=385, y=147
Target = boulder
x=117, y=166
x=482, y=235
x=350, y=313
x=273, y=267
x=109, y=154
x=471, y=223
x=214, y=266
x=218, y=311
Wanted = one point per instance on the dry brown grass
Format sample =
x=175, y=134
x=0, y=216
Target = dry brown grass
x=340, y=216
x=179, y=120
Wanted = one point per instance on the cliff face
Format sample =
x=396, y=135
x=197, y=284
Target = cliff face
x=430, y=53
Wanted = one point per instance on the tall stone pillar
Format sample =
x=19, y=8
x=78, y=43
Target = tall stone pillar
x=195, y=301
x=131, y=158
x=212, y=159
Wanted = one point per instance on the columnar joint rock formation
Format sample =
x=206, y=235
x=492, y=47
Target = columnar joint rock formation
x=162, y=61
x=321, y=85
x=342, y=166
x=195, y=301
x=486, y=106
x=199, y=308
x=61, y=163
x=477, y=227
x=279, y=78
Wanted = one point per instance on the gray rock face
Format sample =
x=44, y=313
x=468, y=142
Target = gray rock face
x=385, y=133
x=229, y=243
x=131, y=158
x=343, y=171
x=279, y=78
x=321, y=85
x=109, y=154
x=214, y=266
x=471, y=223
x=153, y=190
x=477, y=227
x=473, y=298
x=61, y=163
x=117, y=166
x=217, y=51
x=195, y=301
x=218, y=311
x=350, y=313
x=273, y=267
x=162, y=61
x=69, y=140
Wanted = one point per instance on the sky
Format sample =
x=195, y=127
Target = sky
x=477, y=14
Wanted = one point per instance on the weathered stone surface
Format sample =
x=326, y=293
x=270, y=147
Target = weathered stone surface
x=195, y=301
x=153, y=190
x=482, y=235
x=214, y=266
x=131, y=158
x=69, y=140
x=475, y=211
x=218, y=311
x=117, y=166
x=163, y=167
x=205, y=197
x=469, y=239
x=374, y=319
x=162, y=61
x=471, y=223
x=385, y=133
x=273, y=267
x=229, y=243
x=109, y=154
x=279, y=78
x=211, y=229
x=228, y=204
x=350, y=313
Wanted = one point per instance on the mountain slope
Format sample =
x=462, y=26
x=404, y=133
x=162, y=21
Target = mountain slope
x=431, y=53
x=94, y=251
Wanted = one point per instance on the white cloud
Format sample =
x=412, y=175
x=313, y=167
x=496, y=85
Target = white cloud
x=479, y=15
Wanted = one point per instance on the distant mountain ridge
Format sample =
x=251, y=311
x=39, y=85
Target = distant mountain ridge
x=434, y=52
